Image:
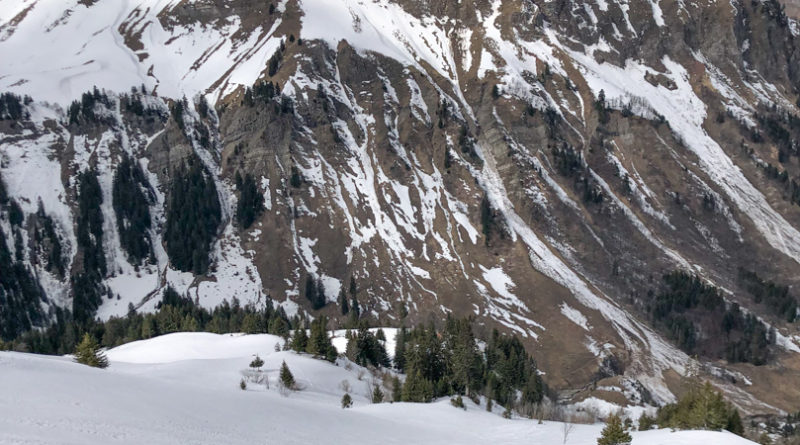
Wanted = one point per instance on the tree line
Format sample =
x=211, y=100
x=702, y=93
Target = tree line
x=448, y=361
x=174, y=313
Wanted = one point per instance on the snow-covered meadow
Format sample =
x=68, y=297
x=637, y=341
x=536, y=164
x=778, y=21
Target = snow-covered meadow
x=184, y=389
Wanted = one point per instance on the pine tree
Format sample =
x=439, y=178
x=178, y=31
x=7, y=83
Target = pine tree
x=735, y=423
x=400, y=350
x=251, y=201
x=646, y=422
x=88, y=353
x=355, y=309
x=343, y=305
x=397, y=389
x=377, y=394
x=250, y=323
x=299, y=340
x=89, y=232
x=319, y=344
x=614, y=433
x=287, y=379
x=257, y=362
x=148, y=328
x=347, y=401
x=315, y=293
x=131, y=197
x=189, y=324
x=193, y=217
x=322, y=297
x=701, y=408
x=417, y=388
x=353, y=287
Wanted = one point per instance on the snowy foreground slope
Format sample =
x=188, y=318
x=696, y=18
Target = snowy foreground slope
x=183, y=389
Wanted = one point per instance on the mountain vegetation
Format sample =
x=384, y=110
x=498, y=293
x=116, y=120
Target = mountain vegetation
x=132, y=200
x=694, y=315
x=193, y=218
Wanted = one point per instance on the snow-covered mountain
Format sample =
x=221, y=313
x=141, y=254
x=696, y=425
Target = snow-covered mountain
x=183, y=388
x=537, y=164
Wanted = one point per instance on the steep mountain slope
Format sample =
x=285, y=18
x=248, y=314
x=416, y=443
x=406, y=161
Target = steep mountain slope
x=539, y=165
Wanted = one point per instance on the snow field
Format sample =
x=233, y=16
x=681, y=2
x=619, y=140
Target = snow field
x=183, y=389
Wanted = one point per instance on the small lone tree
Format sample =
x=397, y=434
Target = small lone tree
x=287, y=379
x=88, y=352
x=377, y=394
x=614, y=433
x=347, y=401
x=566, y=428
x=243, y=385
x=257, y=363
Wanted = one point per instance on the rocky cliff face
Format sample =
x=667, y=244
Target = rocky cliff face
x=539, y=165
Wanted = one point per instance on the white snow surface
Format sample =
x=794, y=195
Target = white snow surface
x=184, y=389
x=79, y=46
x=575, y=316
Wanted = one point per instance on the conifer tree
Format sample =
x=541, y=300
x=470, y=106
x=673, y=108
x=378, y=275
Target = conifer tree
x=148, y=328
x=397, y=389
x=193, y=217
x=287, y=379
x=88, y=353
x=614, y=433
x=364, y=348
x=343, y=304
x=701, y=408
x=353, y=287
x=257, y=362
x=377, y=394
x=250, y=324
x=299, y=340
x=131, y=197
x=251, y=201
x=347, y=401
x=189, y=324
x=315, y=293
x=86, y=285
x=646, y=422
x=417, y=388
x=734, y=423
x=319, y=344
x=400, y=350
x=355, y=309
